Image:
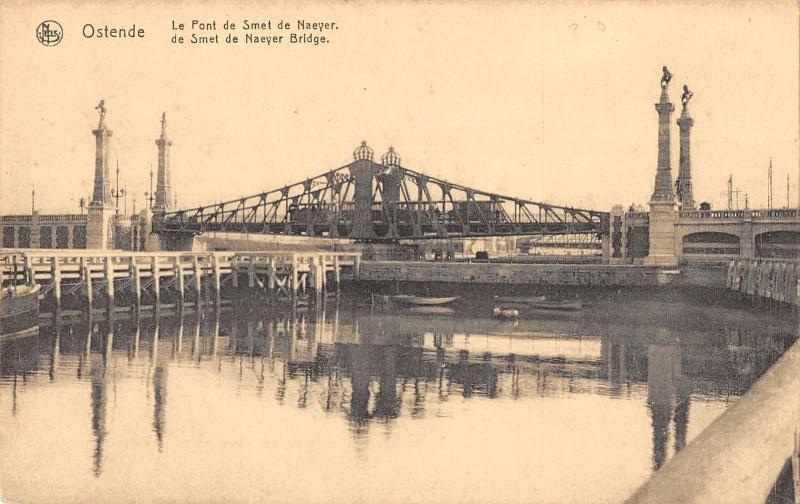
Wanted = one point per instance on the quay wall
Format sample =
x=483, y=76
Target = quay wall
x=774, y=280
x=603, y=275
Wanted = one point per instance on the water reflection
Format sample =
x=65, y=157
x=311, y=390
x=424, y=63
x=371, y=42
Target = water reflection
x=368, y=368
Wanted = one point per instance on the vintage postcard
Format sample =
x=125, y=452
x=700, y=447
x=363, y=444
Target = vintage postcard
x=399, y=252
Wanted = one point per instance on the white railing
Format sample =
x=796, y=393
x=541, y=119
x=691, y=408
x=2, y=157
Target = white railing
x=739, y=457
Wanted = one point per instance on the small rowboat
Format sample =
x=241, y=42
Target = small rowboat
x=519, y=300
x=505, y=312
x=412, y=300
x=432, y=310
x=424, y=301
x=558, y=305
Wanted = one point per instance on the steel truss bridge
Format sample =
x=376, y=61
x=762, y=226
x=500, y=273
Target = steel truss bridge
x=382, y=202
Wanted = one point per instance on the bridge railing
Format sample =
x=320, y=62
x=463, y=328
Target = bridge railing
x=71, y=218
x=739, y=457
x=15, y=218
x=780, y=213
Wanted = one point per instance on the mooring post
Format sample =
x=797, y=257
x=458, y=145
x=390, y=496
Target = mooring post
x=55, y=272
x=336, y=277
x=215, y=272
x=294, y=277
x=198, y=278
x=87, y=281
x=313, y=279
x=137, y=281
x=179, y=279
x=156, y=273
x=109, y=277
x=251, y=272
x=30, y=275
x=323, y=266
x=234, y=272
x=271, y=271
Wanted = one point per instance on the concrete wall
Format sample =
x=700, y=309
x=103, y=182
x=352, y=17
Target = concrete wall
x=545, y=274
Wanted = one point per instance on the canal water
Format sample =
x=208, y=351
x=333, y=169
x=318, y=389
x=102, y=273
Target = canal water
x=347, y=404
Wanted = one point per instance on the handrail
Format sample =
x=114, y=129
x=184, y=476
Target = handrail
x=739, y=456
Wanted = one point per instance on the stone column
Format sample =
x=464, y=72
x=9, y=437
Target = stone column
x=163, y=191
x=99, y=226
x=662, y=202
x=35, y=229
x=684, y=184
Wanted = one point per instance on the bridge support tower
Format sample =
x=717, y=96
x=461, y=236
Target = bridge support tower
x=662, y=202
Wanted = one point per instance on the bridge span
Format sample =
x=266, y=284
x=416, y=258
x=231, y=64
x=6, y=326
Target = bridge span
x=381, y=202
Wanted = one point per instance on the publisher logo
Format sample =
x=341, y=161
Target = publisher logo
x=49, y=33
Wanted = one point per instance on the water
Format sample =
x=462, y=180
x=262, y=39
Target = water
x=347, y=405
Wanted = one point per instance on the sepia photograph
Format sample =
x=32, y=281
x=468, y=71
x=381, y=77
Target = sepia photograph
x=400, y=252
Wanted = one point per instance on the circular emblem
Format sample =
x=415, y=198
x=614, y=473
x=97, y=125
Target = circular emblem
x=49, y=33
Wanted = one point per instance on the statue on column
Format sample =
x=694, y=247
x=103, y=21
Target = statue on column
x=101, y=108
x=686, y=96
x=164, y=120
x=666, y=76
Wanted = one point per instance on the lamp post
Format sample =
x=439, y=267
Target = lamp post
x=149, y=196
x=117, y=193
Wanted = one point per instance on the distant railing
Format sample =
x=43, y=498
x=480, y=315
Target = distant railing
x=72, y=218
x=781, y=213
x=642, y=217
x=16, y=218
x=64, y=218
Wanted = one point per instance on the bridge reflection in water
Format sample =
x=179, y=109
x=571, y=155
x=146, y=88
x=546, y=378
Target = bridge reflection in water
x=368, y=369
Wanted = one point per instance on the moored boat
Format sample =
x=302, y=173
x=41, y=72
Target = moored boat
x=558, y=305
x=412, y=300
x=19, y=307
x=519, y=300
x=432, y=310
x=505, y=312
x=425, y=301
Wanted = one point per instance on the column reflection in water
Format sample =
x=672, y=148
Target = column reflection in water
x=160, y=402
x=196, y=339
x=215, y=334
x=359, y=361
x=137, y=330
x=682, y=411
x=663, y=375
x=99, y=394
x=387, y=403
x=55, y=347
x=87, y=346
x=159, y=373
x=178, y=346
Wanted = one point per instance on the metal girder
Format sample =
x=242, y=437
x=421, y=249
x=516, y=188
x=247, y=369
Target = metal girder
x=324, y=206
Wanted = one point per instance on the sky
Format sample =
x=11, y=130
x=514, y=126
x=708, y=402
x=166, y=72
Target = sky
x=548, y=101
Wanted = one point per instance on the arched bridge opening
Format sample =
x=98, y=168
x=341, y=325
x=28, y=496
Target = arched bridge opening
x=778, y=244
x=711, y=244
